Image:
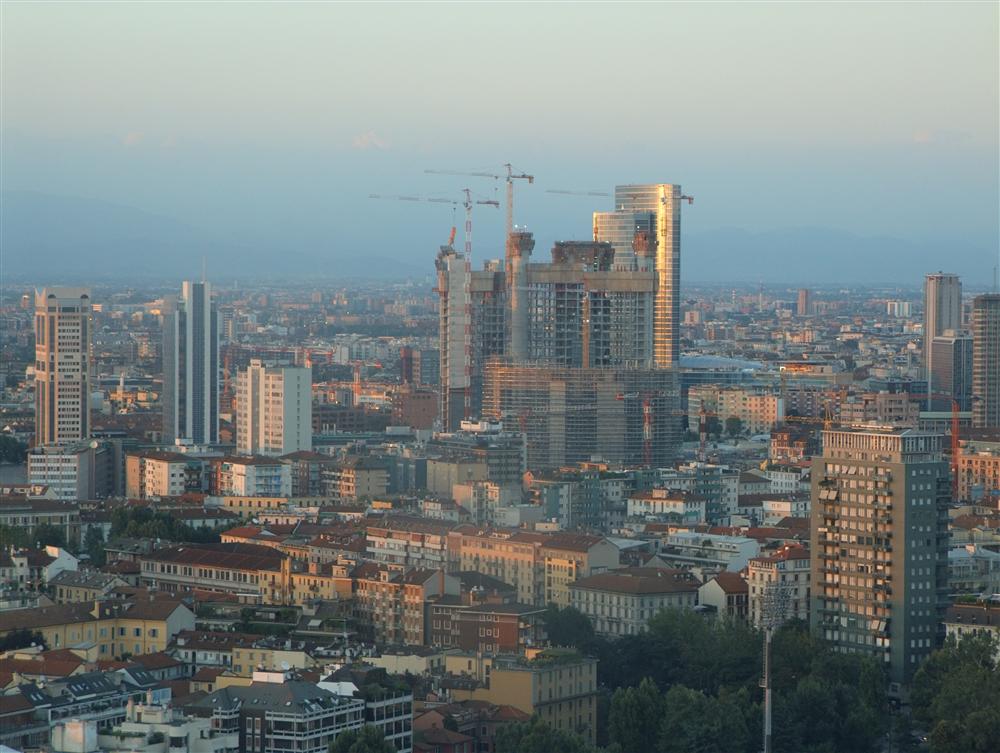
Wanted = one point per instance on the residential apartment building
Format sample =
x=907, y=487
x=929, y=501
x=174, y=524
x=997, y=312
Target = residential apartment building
x=62, y=365
x=779, y=586
x=408, y=541
x=558, y=685
x=273, y=409
x=154, y=474
x=85, y=470
x=255, y=574
x=357, y=477
x=707, y=553
x=683, y=507
x=727, y=594
x=879, y=580
x=539, y=565
x=390, y=605
x=74, y=586
x=117, y=628
x=251, y=477
x=623, y=601
x=978, y=469
x=277, y=714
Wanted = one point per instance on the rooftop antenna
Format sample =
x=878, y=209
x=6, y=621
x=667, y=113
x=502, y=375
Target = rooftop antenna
x=204, y=269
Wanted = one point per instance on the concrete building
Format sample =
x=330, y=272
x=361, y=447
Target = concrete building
x=986, y=361
x=978, y=469
x=85, y=470
x=154, y=474
x=623, y=601
x=942, y=311
x=707, y=553
x=27, y=514
x=557, y=684
x=727, y=593
x=255, y=574
x=539, y=565
x=191, y=366
x=117, y=628
x=963, y=620
x=879, y=542
x=62, y=365
x=951, y=371
x=783, y=575
x=273, y=409
x=276, y=714
x=251, y=477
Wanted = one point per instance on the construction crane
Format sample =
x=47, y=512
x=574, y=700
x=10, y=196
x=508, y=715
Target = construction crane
x=510, y=177
x=467, y=203
x=576, y=193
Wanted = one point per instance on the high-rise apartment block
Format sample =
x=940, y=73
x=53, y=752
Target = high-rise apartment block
x=986, y=361
x=879, y=543
x=62, y=364
x=942, y=311
x=273, y=409
x=191, y=366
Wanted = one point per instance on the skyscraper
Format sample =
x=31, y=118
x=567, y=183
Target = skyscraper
x=942, y=311
x=273, y=409
x=986, y=361
x=656, y=208
x=191, y=366
x=802, y=305
x=879, y=543
x=62, y=364
x=951, y=371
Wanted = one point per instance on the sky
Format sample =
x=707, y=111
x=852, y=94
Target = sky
x=268, y=125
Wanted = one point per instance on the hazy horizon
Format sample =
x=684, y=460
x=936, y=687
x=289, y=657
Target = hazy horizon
x=253, y=134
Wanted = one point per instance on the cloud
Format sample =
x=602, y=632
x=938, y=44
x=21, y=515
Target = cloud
x=369, y=140
x=132, y=138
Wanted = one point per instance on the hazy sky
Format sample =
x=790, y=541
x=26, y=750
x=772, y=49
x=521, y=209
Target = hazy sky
x=274, y=122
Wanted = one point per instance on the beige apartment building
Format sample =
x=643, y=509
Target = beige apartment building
x=782, y=578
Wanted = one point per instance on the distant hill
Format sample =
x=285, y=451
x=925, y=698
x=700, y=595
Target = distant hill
x=76, y=238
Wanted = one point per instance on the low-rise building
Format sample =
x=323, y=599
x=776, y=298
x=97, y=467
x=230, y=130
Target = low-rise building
x=558, y=685
x=277, y=713
x=982, y=618
x=707, y=553
x=23, y=513
x=251, y=477
x=256, y=574
x=727, y=594
x=623, y=601
x=153, y=474
x=72, y=586
x=779, y=582
x=119, y=628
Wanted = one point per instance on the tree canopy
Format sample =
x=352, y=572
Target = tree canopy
x=145, y=522
x=956, y=694
x=368, y=739
x=536, y=736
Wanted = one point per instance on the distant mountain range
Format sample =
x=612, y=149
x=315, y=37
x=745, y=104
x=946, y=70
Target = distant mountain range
x=92, y=239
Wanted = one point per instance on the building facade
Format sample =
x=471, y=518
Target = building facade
x=62, y=365
x=191, y=366
x=273, y=409
x=879, y=541
x=986, y=361
x=942, y=311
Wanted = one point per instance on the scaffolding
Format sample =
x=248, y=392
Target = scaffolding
x=569, y=415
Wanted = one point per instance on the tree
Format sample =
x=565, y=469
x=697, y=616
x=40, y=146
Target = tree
x=93, y=545
x=368, y=739
x=12, y=450
x=635, y=716
x=696, y=722
x=956, y=693
x=48, y=535
x=713, y=426
x=734, y=426
x=22, y=638
x=568, y=626
x=536, y=736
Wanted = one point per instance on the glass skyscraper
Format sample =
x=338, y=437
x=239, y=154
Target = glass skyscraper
x=656, y=209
